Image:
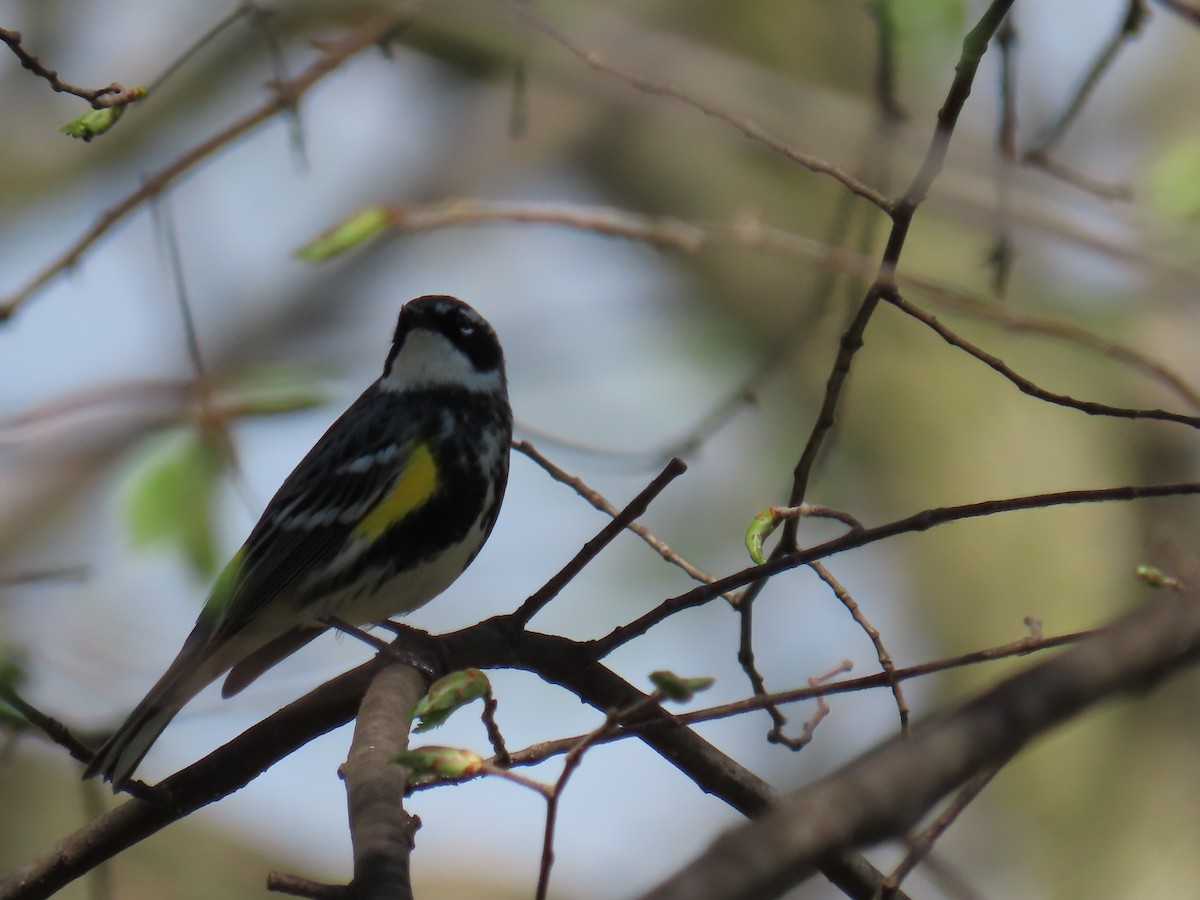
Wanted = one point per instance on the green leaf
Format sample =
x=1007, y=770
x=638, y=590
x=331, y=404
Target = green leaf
x=759, y=530
x=442, y=762
x=274, y=389
x=1174, y=187
x=169, y=497
x=95, y=122
x=447, y=695
x=675, y=687
x=357, y=228
x=927, y=23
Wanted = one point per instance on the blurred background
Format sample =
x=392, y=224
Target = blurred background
x=114, y=506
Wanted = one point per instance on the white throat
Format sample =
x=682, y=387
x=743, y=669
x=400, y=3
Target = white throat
x=429, y=359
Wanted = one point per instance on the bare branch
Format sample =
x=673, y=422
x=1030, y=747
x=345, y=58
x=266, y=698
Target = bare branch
x=693, y=237
x=1028, y=387
x=885, y=792
x=974, y=46
x=380, y=830
x=112, y=95
x=284, y=97
x=1127, y=29
x=921, y=521
x=636, y=507
x=920, y=847
x=881, y=652
x=598, y=501
x=746, y=126
x=1180, y=8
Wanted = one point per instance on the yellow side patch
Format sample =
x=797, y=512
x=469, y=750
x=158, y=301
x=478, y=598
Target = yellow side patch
x=416, y=484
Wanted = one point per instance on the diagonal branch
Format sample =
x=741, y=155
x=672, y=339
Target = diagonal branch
x=284, y=98
x=112, y=95
x=886, y=792
x=636, y=507
x=921, y=521
x=746, y=126
x=903, y=210
x=1028, y=387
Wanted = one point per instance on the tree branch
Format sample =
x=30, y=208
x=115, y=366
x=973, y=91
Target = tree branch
x=284, y=97
x=886, y=792
x=381, y=831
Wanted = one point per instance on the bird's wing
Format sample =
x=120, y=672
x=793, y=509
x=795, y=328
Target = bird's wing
x=315, y=511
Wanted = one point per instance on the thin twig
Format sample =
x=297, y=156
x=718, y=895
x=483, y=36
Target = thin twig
x=43, y=576
x=500, y=755
x=1003, y=251
x=636, y=507
x=1103, y=189
x=746, y=658
x=885, y=659
x=598, y=501
x=746, y=126
x=921, y=521
x=112, y=95
x=695, y=237
x=243, y=9
x=922, y=844
x=295, y=123
x=48, y=725
x=1029, y=387
x=1127, y=29
x=809, y=729
x=296, y=886
x=974, y=46
x=1189, y=12
x=284, y=97
x=544, y=750
x=573, y=758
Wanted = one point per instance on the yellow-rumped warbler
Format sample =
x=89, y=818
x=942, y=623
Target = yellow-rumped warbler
x=385, y=511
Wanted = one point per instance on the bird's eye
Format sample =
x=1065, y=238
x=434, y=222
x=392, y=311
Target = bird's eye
x=466, y=330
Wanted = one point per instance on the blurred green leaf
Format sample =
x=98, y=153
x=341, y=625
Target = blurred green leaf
x=355, y=229
x=274, y=389
x=677, y=688
x=170, y=495
x=447, y=695
x=1175, y=180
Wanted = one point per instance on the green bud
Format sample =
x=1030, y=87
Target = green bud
x=759, y=530
x=357, y=228
x=677, y=688
x=441, y=762
x=95, y=122
x=447, y=695
x=1156, y=578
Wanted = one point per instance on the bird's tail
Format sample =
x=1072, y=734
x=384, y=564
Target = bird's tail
x=198, y=664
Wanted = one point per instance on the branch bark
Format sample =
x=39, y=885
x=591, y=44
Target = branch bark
x=381, y=831
x=886, y=792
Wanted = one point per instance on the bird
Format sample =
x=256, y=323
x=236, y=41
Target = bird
x=385, y=511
